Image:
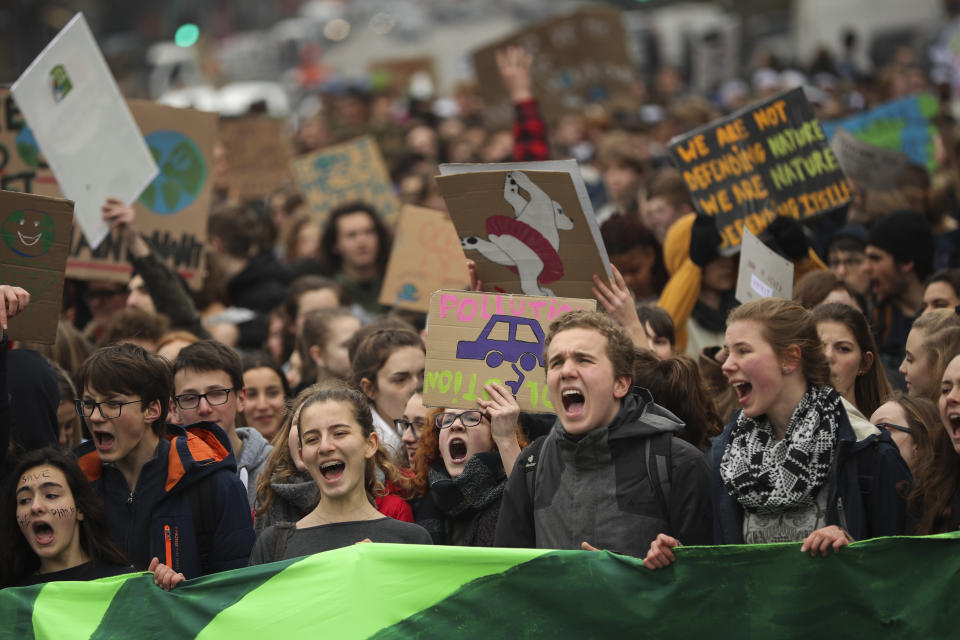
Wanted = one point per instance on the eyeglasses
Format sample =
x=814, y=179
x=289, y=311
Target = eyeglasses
x=446, y=419
x=109, y=409
x=895, y=427
x=402, y=425
x=214, y=397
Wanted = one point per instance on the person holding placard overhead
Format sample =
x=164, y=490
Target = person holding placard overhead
x=154, y=287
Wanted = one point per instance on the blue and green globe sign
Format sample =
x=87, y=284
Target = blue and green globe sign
x=28, y=233
x=27, y=148
x=183, y=172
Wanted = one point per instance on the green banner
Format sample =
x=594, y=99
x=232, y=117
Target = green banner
x=883, y=588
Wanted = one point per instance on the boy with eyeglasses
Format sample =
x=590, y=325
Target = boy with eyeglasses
x=208, y=387
x=171, y=493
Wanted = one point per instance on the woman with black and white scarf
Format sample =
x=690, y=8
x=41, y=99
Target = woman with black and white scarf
x=788, y=467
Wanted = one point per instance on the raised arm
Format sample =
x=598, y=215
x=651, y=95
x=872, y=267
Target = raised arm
x=529, y=130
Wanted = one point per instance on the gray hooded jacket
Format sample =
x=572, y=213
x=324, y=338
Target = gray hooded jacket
x=596, y=488
x=252, y=459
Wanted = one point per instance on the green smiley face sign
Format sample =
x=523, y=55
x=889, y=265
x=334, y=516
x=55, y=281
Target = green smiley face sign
x=28, y=233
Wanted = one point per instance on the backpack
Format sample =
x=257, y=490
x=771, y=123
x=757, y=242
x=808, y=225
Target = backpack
x=656, y=451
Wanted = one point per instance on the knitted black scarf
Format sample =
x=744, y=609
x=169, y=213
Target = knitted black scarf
x=473, y=496
x=767, y=475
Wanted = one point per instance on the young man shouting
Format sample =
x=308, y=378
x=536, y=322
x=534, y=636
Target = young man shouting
x=610, y=473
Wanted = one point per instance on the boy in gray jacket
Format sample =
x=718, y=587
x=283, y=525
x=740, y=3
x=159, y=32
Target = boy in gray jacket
x=609, y=474
x=208, y=387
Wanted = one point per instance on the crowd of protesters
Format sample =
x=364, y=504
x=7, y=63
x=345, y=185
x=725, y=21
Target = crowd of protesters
x=277, y=411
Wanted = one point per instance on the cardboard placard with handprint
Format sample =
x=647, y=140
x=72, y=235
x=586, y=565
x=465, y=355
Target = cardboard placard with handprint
x=34, y=238
x=172, y=211
x=526, y=230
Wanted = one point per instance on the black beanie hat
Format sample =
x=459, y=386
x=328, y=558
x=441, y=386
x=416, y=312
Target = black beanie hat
x=907, y=235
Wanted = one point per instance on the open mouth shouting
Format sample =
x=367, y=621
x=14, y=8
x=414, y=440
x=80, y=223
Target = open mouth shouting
x=743, y=389
x=105, y=441
x=43, y=533
x=458, y=450
x=574, y=402
x=953, y=427
x=332, y=471
x=29, y=241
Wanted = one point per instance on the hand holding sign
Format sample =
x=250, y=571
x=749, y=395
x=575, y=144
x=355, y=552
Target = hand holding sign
x=120, y=217
x=14, y=299
x=617, y=300
x=504, y=412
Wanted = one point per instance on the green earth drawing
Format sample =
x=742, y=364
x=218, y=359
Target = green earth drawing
x=183, y=172
x=29, y=233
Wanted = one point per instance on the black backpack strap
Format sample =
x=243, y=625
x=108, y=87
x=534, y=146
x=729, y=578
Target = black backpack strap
x=204, y=513
x=659, y=459
x=284, y=531
x=529, y=466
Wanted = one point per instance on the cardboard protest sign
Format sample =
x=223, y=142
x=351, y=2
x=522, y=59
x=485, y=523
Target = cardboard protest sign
x=22, y=167
x=866, y=164
x=476, y=338
x=348, y=172
x=763, y=272
x=770, y=159
x=528, y=226
x=259, y=153
x=33, y=255
x=398, y=72
x=578, y=58
x=898, y=125
x=83, y=127
x=426, y=257
x=172, y=211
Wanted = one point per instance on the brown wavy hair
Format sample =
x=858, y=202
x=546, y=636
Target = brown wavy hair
x=280, y=466
x=428, y=452
x=934, y=483
x=940, y=347
x=923, y=418
x=675, y=384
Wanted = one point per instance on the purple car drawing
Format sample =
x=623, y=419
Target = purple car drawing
x=525, y=353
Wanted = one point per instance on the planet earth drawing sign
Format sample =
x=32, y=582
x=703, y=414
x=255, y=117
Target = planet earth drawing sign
x=28, y=233
x=183, y=172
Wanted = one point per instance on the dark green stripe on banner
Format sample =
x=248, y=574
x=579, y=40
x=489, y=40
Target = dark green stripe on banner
x=16, y=612
x=142, y=610
x=884, y=588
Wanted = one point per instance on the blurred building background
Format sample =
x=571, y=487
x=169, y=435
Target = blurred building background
x=280, y=50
